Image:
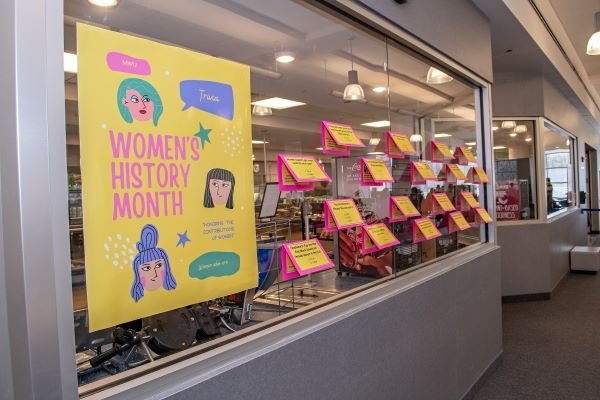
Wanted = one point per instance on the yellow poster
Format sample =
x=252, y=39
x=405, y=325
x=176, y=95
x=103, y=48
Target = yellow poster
x=166, y=162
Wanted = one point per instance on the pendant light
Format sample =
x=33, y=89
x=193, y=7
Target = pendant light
x=437, y=77
x=261, y=111
x=593, y=45
x=353, y=91
x=416, y=138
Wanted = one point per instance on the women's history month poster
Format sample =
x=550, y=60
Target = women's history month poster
x=166, y=162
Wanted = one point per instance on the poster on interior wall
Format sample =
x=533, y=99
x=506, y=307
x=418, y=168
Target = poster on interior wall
x=508, y=200
x=166, y=162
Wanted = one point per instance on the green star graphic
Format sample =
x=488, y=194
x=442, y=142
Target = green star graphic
x=203, y=135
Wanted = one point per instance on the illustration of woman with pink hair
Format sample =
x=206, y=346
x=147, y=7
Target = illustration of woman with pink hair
x=151, y=268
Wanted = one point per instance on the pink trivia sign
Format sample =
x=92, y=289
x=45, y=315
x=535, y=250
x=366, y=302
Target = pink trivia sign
x=299, y=172
x=302, y=258
x=124, y=63
x=341, y=214
x=337, y=139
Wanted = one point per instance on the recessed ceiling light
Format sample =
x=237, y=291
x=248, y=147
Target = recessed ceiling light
x=374, y=141
x=376, y=153
x=259, y=142
x=285, y=56
x=499, y=147
x=470, y=147
x=70, y=62
x=318, y=148
x=513, y=134
x=508, y=124
x=470, y=143
x=441, y=135
x=377, y=124
x=528, y=139
x=379, y=89
x=495, y=128
x=521, y=128
x=278, y=103
x=104, y=3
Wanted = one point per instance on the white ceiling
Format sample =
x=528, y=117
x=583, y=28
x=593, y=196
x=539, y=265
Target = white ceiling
x=577, y=18
x=251, y=31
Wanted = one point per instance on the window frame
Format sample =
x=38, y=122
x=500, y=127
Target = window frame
x=38, y=49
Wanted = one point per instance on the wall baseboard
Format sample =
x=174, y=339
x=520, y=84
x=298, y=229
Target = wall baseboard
x=518, y=298
x=483, y=377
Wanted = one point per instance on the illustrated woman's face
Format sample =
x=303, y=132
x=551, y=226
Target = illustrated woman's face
x=152, y=274
x=219, y=191
x=139, y=105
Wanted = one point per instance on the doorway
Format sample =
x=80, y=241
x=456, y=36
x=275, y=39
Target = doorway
x=591, y=188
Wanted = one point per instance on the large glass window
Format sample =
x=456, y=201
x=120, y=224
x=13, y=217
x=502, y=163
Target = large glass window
x=559, y=158
x=316, y=60
x=514, y=157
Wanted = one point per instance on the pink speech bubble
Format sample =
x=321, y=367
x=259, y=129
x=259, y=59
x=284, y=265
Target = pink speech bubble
x=123, y=63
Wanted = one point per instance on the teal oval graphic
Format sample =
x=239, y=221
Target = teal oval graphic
x=214, y=264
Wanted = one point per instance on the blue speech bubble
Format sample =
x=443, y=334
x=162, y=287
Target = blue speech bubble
x=214, y=263
x=213, y=97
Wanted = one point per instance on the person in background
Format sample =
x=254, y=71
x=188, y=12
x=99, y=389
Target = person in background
x=549, y=200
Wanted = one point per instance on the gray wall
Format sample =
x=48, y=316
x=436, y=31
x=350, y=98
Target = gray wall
x=535, y=256
x=455, y=27
x=432, y=341
x=517, y=95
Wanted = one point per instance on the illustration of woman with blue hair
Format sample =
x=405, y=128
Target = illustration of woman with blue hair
x=151, y=268
x=219, y=188
x=139, y=100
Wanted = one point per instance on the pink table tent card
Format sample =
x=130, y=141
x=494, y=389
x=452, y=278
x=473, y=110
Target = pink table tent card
x=441, y=204
x=402, y=208
x=466, y=201
x=337, y=139
x=374, y=172
x=340, y=214
x=482, y=216
x=377, y=237
x=439, y=152
x=423, y=229
x=456, y=222
x=398, y=145
x=302, y=258
x=464, y=155
x=420, y=173
x=299, y=172
x=451, y=173
x=477, y=175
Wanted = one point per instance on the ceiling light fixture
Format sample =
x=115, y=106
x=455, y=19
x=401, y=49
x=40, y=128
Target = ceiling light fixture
x=568, y=142
x=70, y=62
x=441, y=135
x=513, y=134
x=437, y=77
x=499, y=147
x=374, y=141
x=521, y=128
x=495, y=128
x=416, y=138
x=285, y=57
x=262, y=111
x=379, y=89
x=278, y=103
x=104, y=3
x=318, y=148
x=377, y=124
x=470, y=143
x=353, y=91
x=528, y=139
x=376, y=153
x=508, y=124
x=593, y=45
x=259, y=142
